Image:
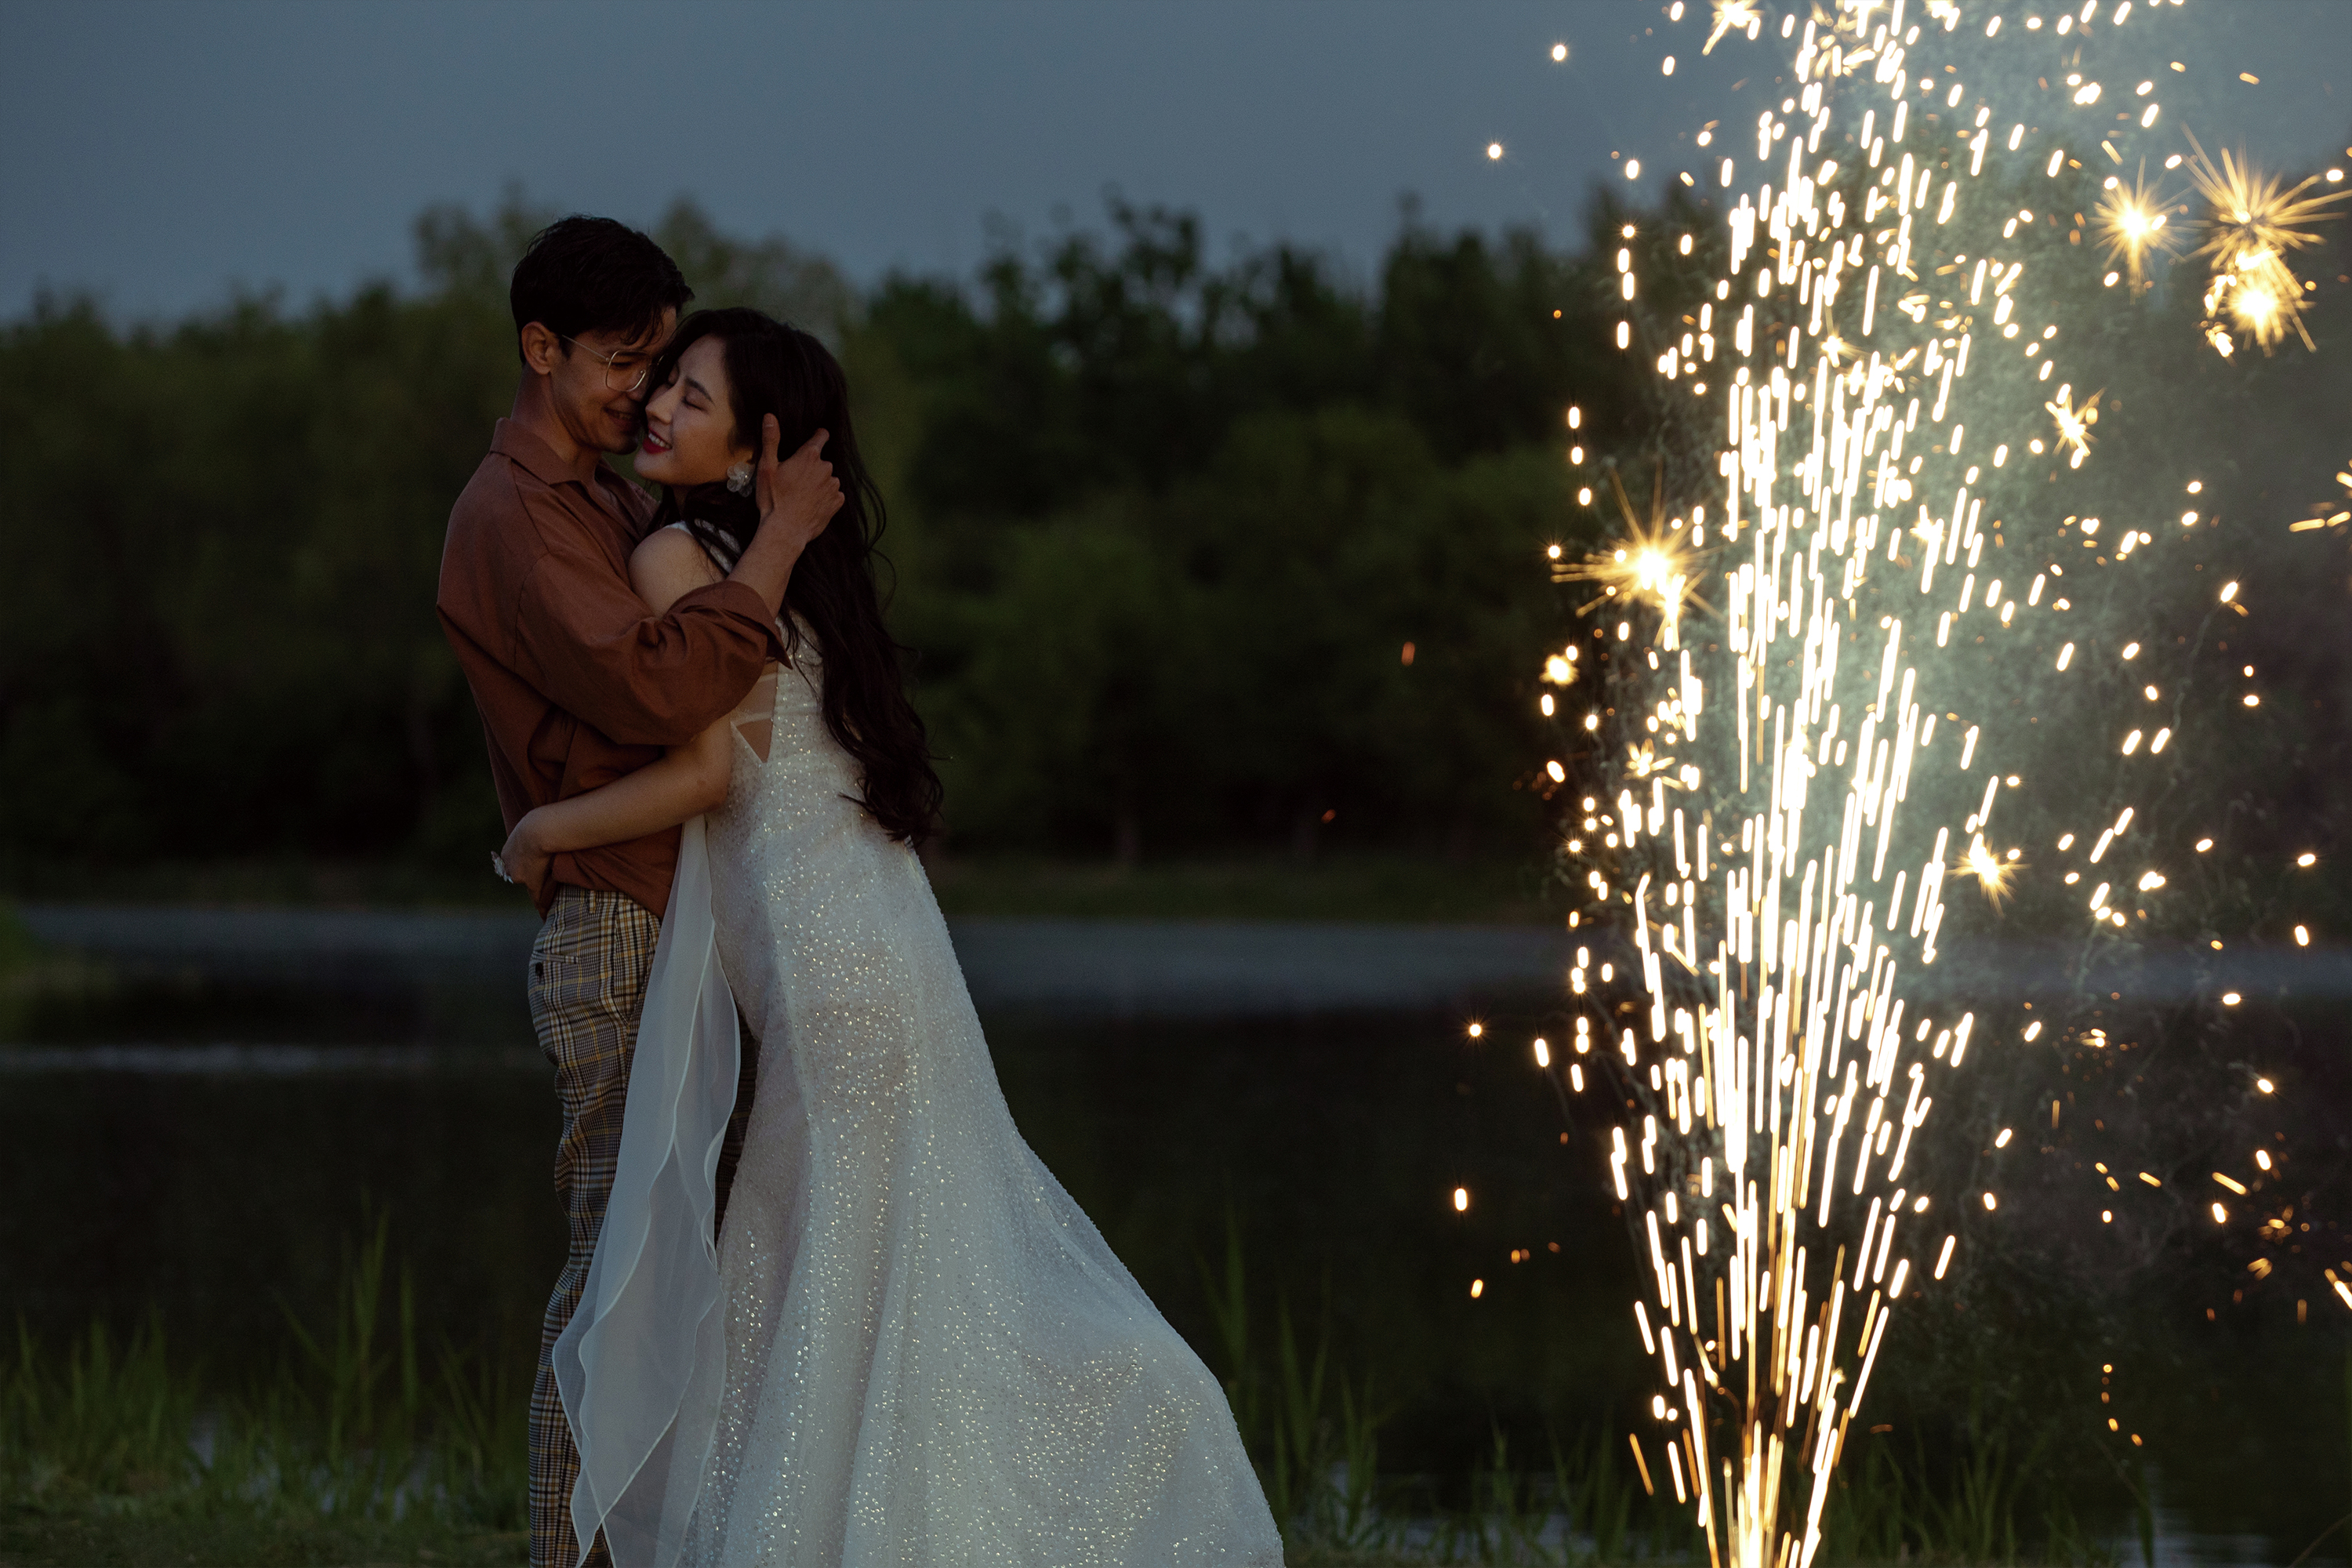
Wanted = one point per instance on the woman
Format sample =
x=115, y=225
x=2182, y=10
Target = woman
x=928, y=1355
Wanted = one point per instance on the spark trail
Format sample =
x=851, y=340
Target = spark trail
x=1788, y=812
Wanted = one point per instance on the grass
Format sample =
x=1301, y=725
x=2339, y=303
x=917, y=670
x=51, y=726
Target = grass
x=1974, y=1507
x=37, y=1537
x=1340, y=887
x=348, y=1451
x=352, y=1449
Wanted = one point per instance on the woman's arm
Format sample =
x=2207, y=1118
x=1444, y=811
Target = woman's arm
x=686, y=782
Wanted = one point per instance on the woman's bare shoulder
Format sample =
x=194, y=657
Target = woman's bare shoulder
x=669, y=563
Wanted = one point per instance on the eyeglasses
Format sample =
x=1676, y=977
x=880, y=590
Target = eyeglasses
x=618, y=377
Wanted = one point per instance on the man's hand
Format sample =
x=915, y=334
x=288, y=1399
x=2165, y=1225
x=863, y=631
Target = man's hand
x=523, y=861
x=799, y=495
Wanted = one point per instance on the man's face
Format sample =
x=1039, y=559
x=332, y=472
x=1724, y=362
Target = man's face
x=597, y=389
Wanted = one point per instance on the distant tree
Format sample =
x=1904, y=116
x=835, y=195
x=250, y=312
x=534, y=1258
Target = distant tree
x=1160, y=528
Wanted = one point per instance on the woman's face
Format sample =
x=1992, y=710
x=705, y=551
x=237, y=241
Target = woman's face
x=689, y=430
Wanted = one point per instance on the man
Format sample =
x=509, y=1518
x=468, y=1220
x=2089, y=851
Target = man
x=578, y=685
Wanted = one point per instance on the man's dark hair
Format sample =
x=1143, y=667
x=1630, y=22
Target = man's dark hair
x=583, y=274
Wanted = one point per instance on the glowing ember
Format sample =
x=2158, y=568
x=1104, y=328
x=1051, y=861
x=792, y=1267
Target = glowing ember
x=1656, y=566
x=2132, y=222
x=1992, y=874
x=2252, y=221
x=1733, y=16
x=2075, y=424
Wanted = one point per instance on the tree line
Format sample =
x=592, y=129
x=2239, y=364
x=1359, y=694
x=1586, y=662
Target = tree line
x=1191, y=556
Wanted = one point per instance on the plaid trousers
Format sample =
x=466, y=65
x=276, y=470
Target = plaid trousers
x=588, y=974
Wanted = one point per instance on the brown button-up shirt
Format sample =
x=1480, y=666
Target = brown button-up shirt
x=577, y=684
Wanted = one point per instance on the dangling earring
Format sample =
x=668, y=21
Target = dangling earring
x=738, y=478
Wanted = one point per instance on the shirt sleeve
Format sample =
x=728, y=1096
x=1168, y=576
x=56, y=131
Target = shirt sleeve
x=586, y=640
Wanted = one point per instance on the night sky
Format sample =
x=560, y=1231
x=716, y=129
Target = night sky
x=161, y=155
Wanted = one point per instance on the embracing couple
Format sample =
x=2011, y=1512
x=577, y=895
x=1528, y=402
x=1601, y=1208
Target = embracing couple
x=822, y=1305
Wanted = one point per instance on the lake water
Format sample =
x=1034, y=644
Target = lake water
x=206, y=1132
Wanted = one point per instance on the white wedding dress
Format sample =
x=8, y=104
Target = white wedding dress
x=912, y=1347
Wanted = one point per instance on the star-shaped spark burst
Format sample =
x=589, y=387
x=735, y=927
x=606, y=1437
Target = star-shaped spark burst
x=2262, y=299
x=2256, y=219
x=1655, y=562
x=1732, y=16
x=2132, y=222
x=2074, y=422
x=1992, y=873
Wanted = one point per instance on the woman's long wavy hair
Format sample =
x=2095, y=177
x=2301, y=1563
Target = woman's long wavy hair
x=772, y=368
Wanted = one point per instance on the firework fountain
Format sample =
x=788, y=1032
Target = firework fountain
x=1785, y=648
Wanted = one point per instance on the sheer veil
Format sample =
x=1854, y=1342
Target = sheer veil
x=642, y=1364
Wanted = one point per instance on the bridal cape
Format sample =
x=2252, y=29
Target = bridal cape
x=638, y=1367
x=909, y=1346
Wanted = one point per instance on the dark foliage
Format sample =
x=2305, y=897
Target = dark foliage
x=1163, y=531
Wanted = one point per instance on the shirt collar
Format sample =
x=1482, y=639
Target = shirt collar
x=537, y=458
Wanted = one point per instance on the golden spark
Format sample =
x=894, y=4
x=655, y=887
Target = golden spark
x=1992, y=874
x=1844, y=30
x=1655, y=562
x=2132, y=221
x=2333, y=513
x=2254, y=220
x=2074, y=422
x=1729, y=16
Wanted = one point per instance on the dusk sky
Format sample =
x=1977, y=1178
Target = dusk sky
x=159, y=155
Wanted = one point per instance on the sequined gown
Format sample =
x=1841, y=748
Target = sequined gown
x=932, y=1357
